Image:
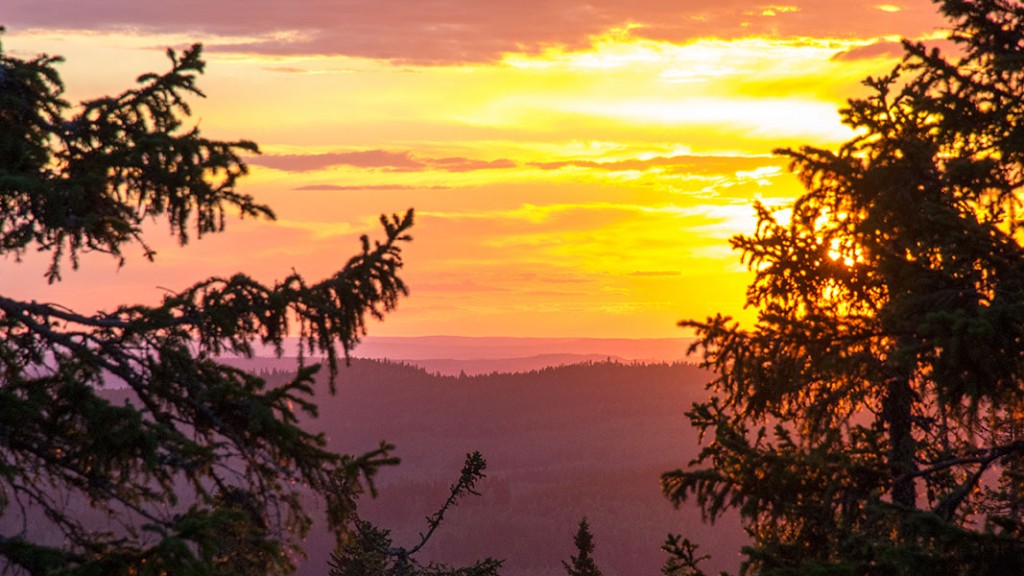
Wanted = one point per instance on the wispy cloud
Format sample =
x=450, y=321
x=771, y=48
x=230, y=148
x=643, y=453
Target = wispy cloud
x=385, y=160
x=685, y=164
x=887, y=49
x=365, y=187
x=470, y=165
x=461, y=31
x=655, y=273
x=539, y=213
x=881, y=49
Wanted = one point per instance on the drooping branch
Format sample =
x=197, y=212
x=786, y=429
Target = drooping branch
x=372, y=550
x=87, y=181
x=229, y=315
x=472, y=471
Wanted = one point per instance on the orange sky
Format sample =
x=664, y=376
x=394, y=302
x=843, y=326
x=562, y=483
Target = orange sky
x=577, y=167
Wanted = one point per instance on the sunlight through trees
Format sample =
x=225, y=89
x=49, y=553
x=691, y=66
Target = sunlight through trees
x=868, y=423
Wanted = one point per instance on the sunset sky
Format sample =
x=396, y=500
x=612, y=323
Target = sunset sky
x=576, y=167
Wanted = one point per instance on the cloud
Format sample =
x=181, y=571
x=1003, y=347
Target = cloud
x=883, y=49
x=534, y=213
x=385, y=160
x=655, y=273
x=461, y=31
x=460, y=287
x=286, y=69
x=888, y=49
x=390, y=161
x=468, y=165
x=683, y=164
x=366, y=187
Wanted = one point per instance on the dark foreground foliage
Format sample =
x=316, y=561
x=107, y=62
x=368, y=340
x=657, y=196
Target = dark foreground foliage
x=203, y=470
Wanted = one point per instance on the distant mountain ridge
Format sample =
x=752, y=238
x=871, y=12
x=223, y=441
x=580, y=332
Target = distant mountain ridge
x=479, y=366
x=494, y=348
x=454, y=355
x=502, y=347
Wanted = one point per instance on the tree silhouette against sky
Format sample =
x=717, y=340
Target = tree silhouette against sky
x=872, y=422
x=201, y=468
x=583, y=563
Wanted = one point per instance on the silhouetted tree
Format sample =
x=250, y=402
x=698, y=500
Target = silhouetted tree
x=869, y=423
x=582, y=564
x=203, y=469
x=370, y=550
x=683, y=559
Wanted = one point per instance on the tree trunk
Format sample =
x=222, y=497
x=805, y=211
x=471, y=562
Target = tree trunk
x=897, y=412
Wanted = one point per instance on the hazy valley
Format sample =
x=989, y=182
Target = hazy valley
x=563, y=442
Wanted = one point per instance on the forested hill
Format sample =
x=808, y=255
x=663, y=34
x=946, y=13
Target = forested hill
x=587, y=439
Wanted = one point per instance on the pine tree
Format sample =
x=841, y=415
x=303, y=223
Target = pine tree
x=199, y=468
x=683, y=559
x=582, y=564
x=869, y=423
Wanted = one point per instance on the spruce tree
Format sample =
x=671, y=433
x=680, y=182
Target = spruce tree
x=870, y=421
x=193, y=467
x=683, y=559
x=582, y=564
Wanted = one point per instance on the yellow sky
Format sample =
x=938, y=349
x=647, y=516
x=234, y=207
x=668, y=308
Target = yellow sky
x=565, y=188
